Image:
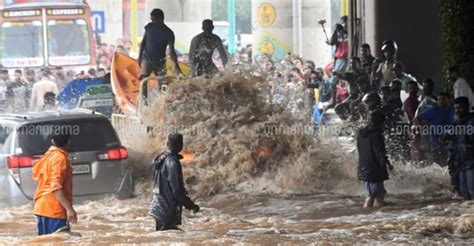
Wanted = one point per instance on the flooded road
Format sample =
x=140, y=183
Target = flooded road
x=262, y=219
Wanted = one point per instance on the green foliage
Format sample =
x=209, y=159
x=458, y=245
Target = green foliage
x=243, y=13
x=457, y=24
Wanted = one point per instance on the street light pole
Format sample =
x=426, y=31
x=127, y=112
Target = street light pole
x=134, y=35
x=231, y=20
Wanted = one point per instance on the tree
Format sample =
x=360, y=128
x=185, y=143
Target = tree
x=458, y=36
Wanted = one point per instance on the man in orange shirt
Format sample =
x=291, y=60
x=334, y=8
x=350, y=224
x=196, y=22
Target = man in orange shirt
x=53, y=197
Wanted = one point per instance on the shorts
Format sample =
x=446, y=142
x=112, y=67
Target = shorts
x=374, y=189
x=148, y=67
x=48, y=225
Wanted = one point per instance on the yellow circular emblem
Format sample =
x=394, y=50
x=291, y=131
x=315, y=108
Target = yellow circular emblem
x=266, y=14
x=266, y=47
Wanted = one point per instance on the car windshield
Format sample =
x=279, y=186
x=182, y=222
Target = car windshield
x=23, y=43
x=86, y=135
x=68, y=42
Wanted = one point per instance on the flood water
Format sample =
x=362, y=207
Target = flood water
x=260, y=188
x=262, y=219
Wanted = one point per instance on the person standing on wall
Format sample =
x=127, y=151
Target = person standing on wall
x=202, y=49
x=158, y=36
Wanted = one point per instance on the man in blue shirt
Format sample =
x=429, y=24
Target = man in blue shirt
x=438, y=120
x=158, y=36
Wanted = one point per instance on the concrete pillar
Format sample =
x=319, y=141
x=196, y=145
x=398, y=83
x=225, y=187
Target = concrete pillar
x=113, y=18
x=181, y=10
x=273, y=31
x=272, y=28
x=314, y=40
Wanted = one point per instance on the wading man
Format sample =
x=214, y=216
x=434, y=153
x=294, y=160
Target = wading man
x=169, y=194
x=202, y=48
x=53, y=196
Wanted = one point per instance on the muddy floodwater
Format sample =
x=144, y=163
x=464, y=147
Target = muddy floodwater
x=262, y=219
x=259, y=185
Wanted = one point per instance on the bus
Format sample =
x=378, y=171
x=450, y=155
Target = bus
x=39, y=33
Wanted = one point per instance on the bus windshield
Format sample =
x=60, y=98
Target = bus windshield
x=22, y=44
x=68, y=42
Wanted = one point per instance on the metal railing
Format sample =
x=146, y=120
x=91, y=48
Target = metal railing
x=144, y=93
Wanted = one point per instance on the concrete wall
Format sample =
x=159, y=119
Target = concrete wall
x=113, y=18
x=416, y=27
x=314, y=40
x=181, y=10
x=279, y=35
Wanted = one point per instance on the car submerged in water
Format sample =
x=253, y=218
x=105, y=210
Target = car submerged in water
x=99, y=161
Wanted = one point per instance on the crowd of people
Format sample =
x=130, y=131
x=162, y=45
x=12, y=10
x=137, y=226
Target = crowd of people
x=417, y=125
x=29, y=89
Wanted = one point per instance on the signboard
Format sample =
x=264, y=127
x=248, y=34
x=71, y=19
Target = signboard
x=95, y=90
x=23, y=62
x=21, y=13
x=69, y=60
x=98, y=21
x=94, y=102
x=266, y=14
x=65, y=11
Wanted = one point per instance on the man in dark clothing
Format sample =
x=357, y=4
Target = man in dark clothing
x=396, y=124
x=324, y=85
x=395, y=90
x=356, y=75
x=373, y=161
x=372, y=102
x=152, y=55
x=385, y=93
x=202, y=48
x=16, y=94
x=461, y=153
x=357, y=107
x=367, y=58
x=169, y=192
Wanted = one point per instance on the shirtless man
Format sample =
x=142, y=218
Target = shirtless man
x=202, y=48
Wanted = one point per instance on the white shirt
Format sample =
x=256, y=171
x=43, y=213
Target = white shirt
x=37, y=93
x=462, y=89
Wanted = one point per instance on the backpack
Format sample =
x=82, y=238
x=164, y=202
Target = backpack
x=158, y=164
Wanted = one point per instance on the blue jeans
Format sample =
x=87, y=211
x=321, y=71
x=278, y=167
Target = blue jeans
x=467, y=183
x=340, y=65
x=48, y=225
